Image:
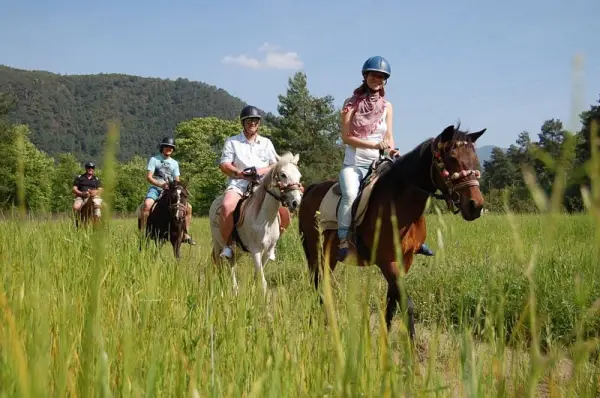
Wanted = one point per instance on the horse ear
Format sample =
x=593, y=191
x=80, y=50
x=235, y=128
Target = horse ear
x=296, y=158
x=474, y=136
x=447, y=134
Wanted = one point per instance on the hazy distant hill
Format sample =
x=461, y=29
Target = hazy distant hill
x=69, y=113
x=484, y=153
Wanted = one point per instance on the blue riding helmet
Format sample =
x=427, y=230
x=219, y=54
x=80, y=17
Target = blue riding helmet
x=377, y=64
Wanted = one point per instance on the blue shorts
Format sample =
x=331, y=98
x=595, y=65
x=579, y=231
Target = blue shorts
x=153, y=192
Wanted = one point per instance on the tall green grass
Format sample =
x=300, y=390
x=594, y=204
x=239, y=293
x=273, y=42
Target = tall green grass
x=508, y=307
x=164, y=328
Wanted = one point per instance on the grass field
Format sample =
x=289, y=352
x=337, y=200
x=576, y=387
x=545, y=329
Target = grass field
x=508, y=307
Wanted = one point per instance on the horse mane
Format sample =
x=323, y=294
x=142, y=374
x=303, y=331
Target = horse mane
x=258, y=196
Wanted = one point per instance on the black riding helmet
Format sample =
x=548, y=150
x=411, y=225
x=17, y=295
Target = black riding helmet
x=249, y=112
x=167, y=141
x=90, y=165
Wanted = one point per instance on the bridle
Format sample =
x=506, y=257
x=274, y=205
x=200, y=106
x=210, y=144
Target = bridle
x=277, y=184
x=178, y=208
x=454, y=182
x=283, y=189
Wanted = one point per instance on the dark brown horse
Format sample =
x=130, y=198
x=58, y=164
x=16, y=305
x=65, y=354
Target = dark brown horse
x=446, y=163
x=89, y=211
x=166, y=221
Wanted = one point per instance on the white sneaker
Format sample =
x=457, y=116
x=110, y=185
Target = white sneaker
x=226, y=252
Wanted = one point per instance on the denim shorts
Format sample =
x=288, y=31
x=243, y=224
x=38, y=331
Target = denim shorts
x=153, y=192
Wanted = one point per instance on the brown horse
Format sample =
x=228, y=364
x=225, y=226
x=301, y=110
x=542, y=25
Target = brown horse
x=89, y=211
x=166, y=221
x=397, y=188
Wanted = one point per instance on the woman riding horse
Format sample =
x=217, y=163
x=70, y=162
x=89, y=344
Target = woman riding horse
x=367, y=119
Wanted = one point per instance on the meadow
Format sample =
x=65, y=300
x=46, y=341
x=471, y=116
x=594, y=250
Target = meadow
x=509, y=306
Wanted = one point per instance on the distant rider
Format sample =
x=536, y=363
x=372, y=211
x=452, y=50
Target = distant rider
x=86, y=185
x=161, y=169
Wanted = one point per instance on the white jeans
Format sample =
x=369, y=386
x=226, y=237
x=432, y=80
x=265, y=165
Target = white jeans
x=350, y=178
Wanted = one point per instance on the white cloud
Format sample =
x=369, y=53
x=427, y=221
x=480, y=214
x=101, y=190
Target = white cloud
x=274, y=59
x=242, y=60
x=289, y=60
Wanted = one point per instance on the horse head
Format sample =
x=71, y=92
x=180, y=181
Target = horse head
x=457, y=176
x=285, y=179
x=177, y=198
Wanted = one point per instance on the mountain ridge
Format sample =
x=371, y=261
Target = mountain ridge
x=69, y=113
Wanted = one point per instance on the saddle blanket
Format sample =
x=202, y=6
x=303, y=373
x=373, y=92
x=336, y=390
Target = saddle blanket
x=331, y=202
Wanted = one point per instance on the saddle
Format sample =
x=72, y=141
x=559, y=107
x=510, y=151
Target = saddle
x=283, y=215
x=240, y=212
x=331, y=201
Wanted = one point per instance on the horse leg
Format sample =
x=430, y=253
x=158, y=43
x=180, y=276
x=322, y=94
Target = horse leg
x=219, y=262
x=258, y=270
x=328, y=255
x=317, y=257
x=214, y=255
x=268, y=255
x=176, y=248
x=390, y=272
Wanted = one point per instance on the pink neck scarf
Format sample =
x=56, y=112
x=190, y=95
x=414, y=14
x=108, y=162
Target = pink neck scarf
x=369, y=109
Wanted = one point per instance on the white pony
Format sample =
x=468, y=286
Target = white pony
x=258, y=225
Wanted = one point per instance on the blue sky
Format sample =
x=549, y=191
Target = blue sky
x=504, y=65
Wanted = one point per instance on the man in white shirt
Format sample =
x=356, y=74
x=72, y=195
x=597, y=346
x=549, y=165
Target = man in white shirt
x=246, y=149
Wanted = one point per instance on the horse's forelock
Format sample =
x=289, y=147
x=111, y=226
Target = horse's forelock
x=283, y=160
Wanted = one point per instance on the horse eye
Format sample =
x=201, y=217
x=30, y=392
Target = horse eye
x=283, y=175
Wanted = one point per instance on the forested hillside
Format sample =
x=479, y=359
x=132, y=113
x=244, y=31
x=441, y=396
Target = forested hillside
x=70, y=113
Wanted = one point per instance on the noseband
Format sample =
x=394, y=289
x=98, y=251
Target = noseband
x=283, y=189
x=454, y=182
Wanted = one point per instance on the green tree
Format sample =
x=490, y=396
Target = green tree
x=66, y=169
x=583, y=148
x=37, y=170
x=498, y=172
x=130, y=185
x=308, y=126
x=519, y=155
x=574, y=201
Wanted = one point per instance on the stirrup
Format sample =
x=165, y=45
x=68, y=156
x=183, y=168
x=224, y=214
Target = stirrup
x=343, y=250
